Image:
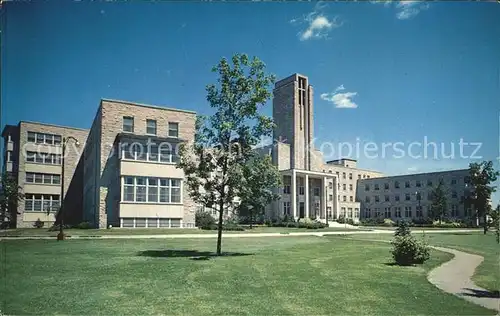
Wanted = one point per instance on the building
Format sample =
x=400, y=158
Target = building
x=125, y=172
x=312, y=188
x=130, y=173
x=410, y=196
x=32, y=154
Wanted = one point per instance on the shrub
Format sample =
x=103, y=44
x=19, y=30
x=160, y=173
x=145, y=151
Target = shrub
x=55, y=227
x=341, y=220
x=406, y=249
x=388, y=222
x=84, y=225
x=204, y=220
x=38, y=224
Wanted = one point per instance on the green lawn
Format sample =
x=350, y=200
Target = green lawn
x=156, y=231
x=487, y=274
x=264, y=276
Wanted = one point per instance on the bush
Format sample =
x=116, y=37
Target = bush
x=406, y=249
x=38, y=224
x=84, y=225
x=204, y=220
x=388, y=222
x=55, y=227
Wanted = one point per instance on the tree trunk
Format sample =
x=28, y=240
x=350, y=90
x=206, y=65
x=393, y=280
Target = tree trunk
x=485, y=224
x=251, y=219
x=219, y=227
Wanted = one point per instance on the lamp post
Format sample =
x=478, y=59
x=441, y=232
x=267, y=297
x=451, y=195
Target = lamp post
x=417, y=194
x=60, y=236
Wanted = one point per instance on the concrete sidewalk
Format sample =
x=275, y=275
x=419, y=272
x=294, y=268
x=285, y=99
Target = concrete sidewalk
x=234, y=235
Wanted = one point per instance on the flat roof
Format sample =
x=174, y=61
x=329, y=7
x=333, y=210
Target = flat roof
x=55, y=125
x=416, y=174
x=147, y=105
x=335, y=160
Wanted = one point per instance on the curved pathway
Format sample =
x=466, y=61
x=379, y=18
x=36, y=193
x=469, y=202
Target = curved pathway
x=455, y=275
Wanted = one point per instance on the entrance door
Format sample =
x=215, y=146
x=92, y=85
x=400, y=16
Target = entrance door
x=302, y=212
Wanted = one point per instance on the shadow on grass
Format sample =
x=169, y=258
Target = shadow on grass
x=481, y=293
x=191, y=254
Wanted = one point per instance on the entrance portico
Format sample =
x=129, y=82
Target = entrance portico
x=308, y=194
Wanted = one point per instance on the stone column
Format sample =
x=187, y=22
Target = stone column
x=306, y=195
x=294, y=194
x=323, y=197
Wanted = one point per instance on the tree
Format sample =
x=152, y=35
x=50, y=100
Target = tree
x=10, y=196
x=481, y=176
x=495, y=216
x=213, y=164
x=438, y=203
x=259, y=182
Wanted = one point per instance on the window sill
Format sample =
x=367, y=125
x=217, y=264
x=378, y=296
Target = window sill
x=149, y=161
x=41, y=163
x=45, y=184
x=151, y=203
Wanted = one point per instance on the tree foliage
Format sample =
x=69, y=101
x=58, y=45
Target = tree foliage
x=439, y=204
x=258, y=188
x=495, y=216
x=407, y=250
x=481, y=175
x=10, y=196
x=214, y=163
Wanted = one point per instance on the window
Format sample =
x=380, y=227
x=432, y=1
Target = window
x=397, y=211
x=396, y=184
x=419, y=212
x=343, y=212
x=418, y=184
x=387, y=212
x=43, y=138
x=350, y=176
x=351, y=198
x=344, y=187
x=387, y=198
x=386, y=186
x=367, y=199
x=407, y=184
x=377, y=199
x=316, y=191
x=286, y=189
x=408, y=211
x=453, y=181
x=418, y=196
x=343, y=175
x=330, y=197
x=407, y=196
x=149, y=152
x=128, y=124
x=151, y=190
x=377, y=212
x=376, y=187
x=286, y=208
x=467, y=180
x=330, y=185
x=38, y=178
x=173, y=129
x=367, y=213
x=349, y=212
x=345, y=198
x=454, y=211
x=30, y=177
x=43, y=158
x=151, y=127
x=356, y=213
x=454, y=194
x=31, y=137
x=350, y=187
x=429, y=183
x=301, y=186
x=396, y=198
x=41, y=202
x=367, y=187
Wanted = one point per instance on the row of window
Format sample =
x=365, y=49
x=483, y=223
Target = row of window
x=287, y=209
x=418, y=197
x=152, y=152
x=408, y=212
x=151, y=128
x=349, y=213
x=41, y=202
x=44, y=178
x=151, y=190
x=44, y=138
x=418, y=184
x=344, y=175
x=152, y=223
x=44, y=158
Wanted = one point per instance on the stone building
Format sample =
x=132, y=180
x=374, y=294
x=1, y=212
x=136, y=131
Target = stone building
x=32, y=154
x=410, y=196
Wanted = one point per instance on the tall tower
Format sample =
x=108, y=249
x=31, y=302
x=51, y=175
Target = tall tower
x=293, y=116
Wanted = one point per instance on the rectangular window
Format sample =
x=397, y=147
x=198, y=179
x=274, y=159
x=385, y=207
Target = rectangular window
x=316, y=191
x=38, y=178
x=386, y=186
x=396, y=184
x=151, y=127
x=128, y=124
x=173, y=129
x=350, y=176
x=56, y=179
x=286, y=189
x=152, y=190
x=47, y=179
x=387, y=198
x=407, y=184
x=396, y=198
x=367, y=187
x=418, y=184
x=351, y=198
x=140, y=222
x=407, y=196
x=350, y=187
x=376, y=187
x=330, y=197
x=367, y=199
x=31, y=137
x=30, y=177
x=175, y=185
x=344, y=187
x=377, y=198
x=453, y=181
x=343, y=175
x=345, y=198
x=57, y=139
x=41, y=203
x=140, y=189
x=286, y=208
x=429, y=183
x=454, y=194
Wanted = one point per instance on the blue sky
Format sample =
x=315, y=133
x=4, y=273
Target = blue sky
x=399, y=71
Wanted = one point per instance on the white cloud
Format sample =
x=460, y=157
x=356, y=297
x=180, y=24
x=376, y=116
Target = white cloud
x=341, y=100
x=405, y=9
x=318, y=23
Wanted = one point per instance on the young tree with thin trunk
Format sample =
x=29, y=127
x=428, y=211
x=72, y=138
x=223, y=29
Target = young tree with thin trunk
x=259, y=182
x=481, y=175
x=213, y=164
x=495, y=216
x=10, y=196
x=439, y=203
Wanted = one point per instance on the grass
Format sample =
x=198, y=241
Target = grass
x=26, y=232
x=261, y=276
x=487, y=274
